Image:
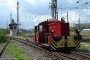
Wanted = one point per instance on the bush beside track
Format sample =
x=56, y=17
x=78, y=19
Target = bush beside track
x=2, y=36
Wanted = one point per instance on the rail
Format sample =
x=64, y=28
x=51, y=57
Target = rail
x=2, y=51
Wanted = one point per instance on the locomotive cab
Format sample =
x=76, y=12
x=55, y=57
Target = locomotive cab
x=56, y=35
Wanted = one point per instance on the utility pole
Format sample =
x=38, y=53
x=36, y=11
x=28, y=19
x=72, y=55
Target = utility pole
x=17, y=18
x=7, y=26
x=54, y=10
x=10, y=17
x=67, y=17
x=61, y=11
x=79, y=23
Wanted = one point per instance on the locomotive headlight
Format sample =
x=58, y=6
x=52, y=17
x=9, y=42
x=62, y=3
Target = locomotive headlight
x=52, y=30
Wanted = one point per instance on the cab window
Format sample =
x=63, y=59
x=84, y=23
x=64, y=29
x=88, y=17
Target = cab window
x=44, y=28
x=41, y=28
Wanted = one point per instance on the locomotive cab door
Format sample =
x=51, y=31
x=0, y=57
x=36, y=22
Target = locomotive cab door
x=42, y=33
x=46, y=34
x=36, y=35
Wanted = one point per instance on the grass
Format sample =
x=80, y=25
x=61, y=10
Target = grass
x=82, y=33
x=19, y=36
x=85, y=46
x=16, y=52
x=85, y=34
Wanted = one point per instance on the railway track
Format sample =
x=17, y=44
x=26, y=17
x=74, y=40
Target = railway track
x=86, y=39
x=81, y=55
x=2, y=49
x=74, y=55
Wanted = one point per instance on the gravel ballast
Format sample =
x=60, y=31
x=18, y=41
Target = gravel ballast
x=35, y=54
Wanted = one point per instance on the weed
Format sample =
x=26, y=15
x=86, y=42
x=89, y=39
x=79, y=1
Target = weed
x=19, y=36
x=85, y=46
x=16, y=52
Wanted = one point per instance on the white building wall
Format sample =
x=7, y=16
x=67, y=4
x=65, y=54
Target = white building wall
x=13, y=32
x=86, y=30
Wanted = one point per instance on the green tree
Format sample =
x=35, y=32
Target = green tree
x=72, y=29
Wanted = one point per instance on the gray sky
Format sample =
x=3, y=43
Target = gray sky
x=32, y=12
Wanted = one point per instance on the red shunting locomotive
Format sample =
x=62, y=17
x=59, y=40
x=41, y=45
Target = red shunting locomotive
x=56, y=35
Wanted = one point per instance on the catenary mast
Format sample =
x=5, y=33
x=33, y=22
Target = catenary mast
x=17, y=18
x=54, y=10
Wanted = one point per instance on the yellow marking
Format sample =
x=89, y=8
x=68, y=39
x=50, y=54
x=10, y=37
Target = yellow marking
x=53, y=41
x=77, y=46
x=61, y=43
x=71, y=42
x=77, y=43
x=53, y=44
x=53, y=47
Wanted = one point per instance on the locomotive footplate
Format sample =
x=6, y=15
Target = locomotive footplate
x=44, y=45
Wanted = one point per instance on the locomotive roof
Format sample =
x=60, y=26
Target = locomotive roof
x=49, y=21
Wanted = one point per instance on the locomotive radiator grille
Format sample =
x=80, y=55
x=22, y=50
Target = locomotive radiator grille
x=77, y=44
x=53, y=45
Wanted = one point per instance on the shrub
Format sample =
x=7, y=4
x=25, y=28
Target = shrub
x=2, y=36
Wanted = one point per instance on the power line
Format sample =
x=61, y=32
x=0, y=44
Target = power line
x=34, y=11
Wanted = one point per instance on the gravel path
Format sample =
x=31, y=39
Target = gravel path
x=33, y=52
x=7, y=57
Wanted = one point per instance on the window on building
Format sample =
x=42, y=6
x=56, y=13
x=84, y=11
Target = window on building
x=14, y=27
x=11, y=27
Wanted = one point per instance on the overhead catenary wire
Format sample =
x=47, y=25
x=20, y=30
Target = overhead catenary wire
x=77, y=7
x=36, y=16
x=69, y=8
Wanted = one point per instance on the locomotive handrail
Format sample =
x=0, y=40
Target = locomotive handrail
x=45, y=36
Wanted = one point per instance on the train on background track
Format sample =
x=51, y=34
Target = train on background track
x=55, y=34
